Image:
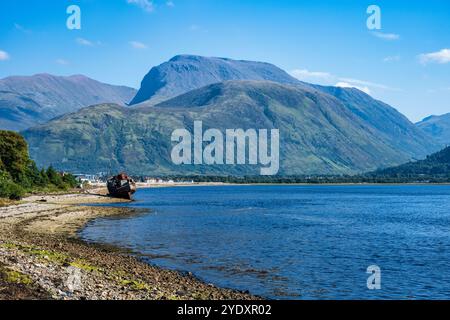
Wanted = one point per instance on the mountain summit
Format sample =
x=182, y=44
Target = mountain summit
x=184, y=73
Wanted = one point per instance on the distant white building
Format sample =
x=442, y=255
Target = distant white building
x=87, y=178
x=159, y=181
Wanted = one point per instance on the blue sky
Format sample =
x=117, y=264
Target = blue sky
x=406, y=63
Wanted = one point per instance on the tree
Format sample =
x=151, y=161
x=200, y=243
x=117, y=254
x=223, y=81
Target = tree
x=54, y=177
x=14, y=155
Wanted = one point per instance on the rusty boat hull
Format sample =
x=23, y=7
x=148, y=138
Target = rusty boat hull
x=121, y=187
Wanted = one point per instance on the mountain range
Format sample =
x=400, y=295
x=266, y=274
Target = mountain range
x=323, y=130
x=76, y=123
x=28, y=101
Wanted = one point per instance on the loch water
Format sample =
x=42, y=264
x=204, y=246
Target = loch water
x=294, y=242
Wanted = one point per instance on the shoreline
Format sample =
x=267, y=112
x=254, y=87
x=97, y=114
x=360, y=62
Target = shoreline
x=41, y=257
x=223, y=184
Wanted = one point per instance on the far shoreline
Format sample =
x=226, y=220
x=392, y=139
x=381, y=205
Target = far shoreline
x=218, y=184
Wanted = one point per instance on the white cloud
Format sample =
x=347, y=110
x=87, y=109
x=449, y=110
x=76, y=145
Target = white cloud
x=442, y=56
x=170, y=4
x=392, y=59
x=197, y=28
x=194, y=27
x=342, y=84
x=145, y=5
x=326, y=78
x=4, y=55
x=84, y=42
x=21, y=28
x=306, y=75
x=386, y=36
x=367, y=84
x=62, y=62
x=138, y=45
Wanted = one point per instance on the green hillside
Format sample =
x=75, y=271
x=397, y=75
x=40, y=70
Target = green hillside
x=435, y=165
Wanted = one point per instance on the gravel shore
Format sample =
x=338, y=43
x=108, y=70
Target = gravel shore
x=42, y=258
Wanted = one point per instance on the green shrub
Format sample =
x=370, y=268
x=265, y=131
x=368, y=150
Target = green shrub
x=55, y=178
x=9, y=189
x=70, y=180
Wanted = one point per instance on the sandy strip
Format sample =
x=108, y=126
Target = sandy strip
x=41, y=257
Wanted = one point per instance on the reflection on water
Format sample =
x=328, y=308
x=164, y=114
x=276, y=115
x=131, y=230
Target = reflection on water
x=295, y=242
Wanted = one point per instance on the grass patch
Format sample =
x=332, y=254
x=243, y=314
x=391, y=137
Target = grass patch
x=8, y=245
x=52, y=256
x=49, y=255
x=125, y=279
x=135, y=284
x=16, y=277
x=80, y=264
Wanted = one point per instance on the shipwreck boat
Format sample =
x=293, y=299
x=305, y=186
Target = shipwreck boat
x=121, y=186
